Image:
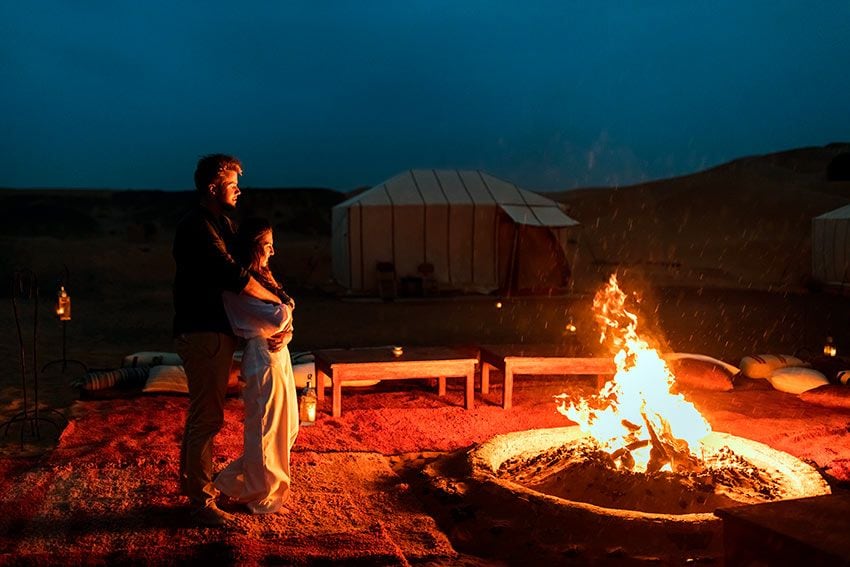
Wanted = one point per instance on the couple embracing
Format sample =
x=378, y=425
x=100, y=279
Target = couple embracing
x=224, y=293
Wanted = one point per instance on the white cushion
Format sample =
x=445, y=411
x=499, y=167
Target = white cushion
x=167, y=378
x=761, y=365
x=171, y=378
x=796, y=380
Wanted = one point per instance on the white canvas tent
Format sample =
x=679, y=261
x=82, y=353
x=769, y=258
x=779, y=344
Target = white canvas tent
x=474, y=231
x=831, y=247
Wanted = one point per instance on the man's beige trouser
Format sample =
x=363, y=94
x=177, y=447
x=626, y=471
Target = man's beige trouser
x=206, y=358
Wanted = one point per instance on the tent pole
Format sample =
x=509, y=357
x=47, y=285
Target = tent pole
x=513, y=264
x=571, y=284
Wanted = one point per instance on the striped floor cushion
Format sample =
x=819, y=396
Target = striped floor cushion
x=104, y=379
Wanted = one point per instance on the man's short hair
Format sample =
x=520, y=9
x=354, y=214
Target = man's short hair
x=211, y=167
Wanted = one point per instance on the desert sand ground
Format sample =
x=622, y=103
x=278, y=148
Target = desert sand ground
x=717, y=273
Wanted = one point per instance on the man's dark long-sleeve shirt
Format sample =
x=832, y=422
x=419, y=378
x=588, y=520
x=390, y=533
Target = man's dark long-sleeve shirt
x=204, y=270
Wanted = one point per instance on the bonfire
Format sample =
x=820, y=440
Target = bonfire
x=639, y=445
x=636, y=417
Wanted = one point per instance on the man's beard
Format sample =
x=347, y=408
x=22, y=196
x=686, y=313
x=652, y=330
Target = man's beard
x=228, y=206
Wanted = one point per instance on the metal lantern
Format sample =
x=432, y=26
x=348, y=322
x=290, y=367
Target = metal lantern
x=829, y=348
x=63, y=305
x=308, y=403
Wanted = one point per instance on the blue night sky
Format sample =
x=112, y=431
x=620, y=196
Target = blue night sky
x=339, y=94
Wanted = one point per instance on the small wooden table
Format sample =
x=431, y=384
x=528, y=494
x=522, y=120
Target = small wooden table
x=341, y=365
x=514, y=359
x=804, y=531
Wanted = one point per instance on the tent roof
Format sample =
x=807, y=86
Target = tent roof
x=840, y=213
x=464, y=187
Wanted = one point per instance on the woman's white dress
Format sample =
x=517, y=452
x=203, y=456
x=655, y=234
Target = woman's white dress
x=260, y=478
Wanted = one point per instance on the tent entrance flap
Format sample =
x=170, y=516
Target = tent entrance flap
x=532, y=260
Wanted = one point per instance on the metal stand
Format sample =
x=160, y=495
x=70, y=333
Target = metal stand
x=64, y=361
x=25, y=284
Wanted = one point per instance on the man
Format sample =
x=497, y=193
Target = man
x=203, y=337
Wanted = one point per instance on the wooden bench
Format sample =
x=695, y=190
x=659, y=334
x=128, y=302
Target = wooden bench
x=341, y=365
x=514, y=359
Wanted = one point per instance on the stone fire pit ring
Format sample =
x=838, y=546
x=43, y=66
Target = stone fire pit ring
x=558, y=529
x=800, y=479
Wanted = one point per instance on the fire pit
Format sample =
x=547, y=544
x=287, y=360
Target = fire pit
x=495, y=485
x=569, y=464
x=639, y=476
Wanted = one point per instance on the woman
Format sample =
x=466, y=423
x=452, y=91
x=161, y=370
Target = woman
x=260, y=478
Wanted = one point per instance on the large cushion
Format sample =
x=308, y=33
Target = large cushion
x=762, y=365
x=701, y=372
x=171, y=379
x=795, y=379
x=104, y=379
x=167, y=378
x=829, y=395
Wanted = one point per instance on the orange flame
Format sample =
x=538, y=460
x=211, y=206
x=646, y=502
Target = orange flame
x=636, y=404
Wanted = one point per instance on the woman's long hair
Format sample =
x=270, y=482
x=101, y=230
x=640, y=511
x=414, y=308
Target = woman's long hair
x=247, y=251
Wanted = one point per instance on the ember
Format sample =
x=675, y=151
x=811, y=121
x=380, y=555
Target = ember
x=583, y=471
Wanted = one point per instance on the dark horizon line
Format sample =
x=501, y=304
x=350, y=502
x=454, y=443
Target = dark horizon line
x=360, y=188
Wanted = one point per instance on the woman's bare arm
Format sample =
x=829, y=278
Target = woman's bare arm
x=255, y=289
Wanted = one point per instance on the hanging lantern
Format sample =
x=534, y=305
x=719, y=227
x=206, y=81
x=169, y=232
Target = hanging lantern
x=829, y=348
x=63, y=305
x=307, y=405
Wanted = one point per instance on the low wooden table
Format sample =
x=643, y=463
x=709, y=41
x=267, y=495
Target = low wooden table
x=805, y=531
x=514, y=359
x=341, y=365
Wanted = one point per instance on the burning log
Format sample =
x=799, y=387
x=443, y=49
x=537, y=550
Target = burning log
x=624, y=454
x=669, y=450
